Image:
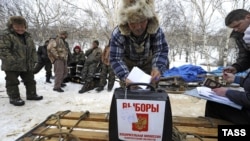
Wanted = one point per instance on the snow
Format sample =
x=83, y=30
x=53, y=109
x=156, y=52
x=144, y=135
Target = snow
x=15, y=121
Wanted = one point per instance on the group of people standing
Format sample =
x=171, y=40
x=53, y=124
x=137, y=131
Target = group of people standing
x=56, y=51
x=21, y=59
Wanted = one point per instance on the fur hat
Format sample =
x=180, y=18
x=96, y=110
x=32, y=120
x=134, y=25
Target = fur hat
x=63, y=32
x=136, y=11
x=16, y=20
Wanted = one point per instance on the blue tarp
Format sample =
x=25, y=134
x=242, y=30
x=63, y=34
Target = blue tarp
x=189, y=73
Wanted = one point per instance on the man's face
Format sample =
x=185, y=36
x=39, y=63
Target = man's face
x=138, y=28
x=64, y=36
x=94, y=45
x=19, y=28
x=241, y=25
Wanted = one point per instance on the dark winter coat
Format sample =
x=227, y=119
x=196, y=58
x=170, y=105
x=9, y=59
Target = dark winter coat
x=69, y=52
x=78, y=58
x=17, y=52
x=239, y=97
x=42, y=54
x=242, y=62
x=93, y=55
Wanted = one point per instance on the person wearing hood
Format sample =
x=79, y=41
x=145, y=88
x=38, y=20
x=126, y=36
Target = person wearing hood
x=18, y=55
x=78, y=58
x=138, y=41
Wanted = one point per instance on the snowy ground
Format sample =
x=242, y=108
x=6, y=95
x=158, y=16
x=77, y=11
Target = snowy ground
x=15, y=121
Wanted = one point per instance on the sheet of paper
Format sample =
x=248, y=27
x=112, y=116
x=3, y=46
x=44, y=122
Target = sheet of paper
x=129, y=115
x=210, y=95
x=138, y=76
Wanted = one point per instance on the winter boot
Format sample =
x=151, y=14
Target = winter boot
x=86, y=87
x=99, y=89
x=63, y=85
x=14, y=95
x=60, y=90
x=48, y=80
x=31, y=92
x=35, y=97
x=17, y=101
x=110, y=87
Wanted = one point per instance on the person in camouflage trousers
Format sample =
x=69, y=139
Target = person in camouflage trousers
x=43, y=61
x=89, y=69
x=107, y=71
x=18, y=55
x=58, y=54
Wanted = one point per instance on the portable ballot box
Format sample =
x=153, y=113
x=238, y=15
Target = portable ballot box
x=140, y=115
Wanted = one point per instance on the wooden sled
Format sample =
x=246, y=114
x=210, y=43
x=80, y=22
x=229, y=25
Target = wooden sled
x=85, y=126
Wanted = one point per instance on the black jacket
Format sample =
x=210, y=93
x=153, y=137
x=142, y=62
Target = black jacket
x=42, y=54
x=242, y=97
x=242, y=61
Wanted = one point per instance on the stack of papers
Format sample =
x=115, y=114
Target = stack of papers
x=138, y=76
x=208, y=94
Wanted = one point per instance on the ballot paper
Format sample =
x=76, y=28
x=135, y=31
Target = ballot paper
x=207, y=94
x=138, y=76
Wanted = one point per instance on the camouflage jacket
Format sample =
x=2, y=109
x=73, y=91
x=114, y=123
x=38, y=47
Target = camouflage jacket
x=78, y=57
x=93, y=55
x=18, y=53
x=57, y=49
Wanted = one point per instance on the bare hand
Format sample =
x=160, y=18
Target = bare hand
x=155, y=74
x=229, y=77
x=127, y=81
x=230, y=69
x=220, y=91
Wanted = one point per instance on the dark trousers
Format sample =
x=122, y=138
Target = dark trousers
x=107, y=72
x=224, y=112
x=47, y=66
x=12, y=83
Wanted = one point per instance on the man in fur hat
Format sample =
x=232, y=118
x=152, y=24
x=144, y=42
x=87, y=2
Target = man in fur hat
x=138, y=41
x=18, y=55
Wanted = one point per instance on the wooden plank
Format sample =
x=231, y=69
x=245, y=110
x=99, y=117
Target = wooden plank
x=198, y=121
x=174, y=92
x=82, y=124
x=92, y=116
x=203, y=139
x=177, y=120
x=201, y=131
x=83, y=135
